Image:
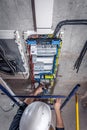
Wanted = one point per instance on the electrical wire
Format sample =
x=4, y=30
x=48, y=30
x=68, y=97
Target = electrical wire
x=80, y=58
x=69, y=22
x=73, y=22
x=7, y=66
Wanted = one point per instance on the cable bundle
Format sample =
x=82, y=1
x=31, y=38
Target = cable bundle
x=80, y=58
x=6, y=65
x=69, y=22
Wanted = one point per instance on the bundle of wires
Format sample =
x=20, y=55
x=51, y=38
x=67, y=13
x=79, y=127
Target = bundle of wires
x=6, y=65
x=69, y=22
x=73, y=22
x=80, y=58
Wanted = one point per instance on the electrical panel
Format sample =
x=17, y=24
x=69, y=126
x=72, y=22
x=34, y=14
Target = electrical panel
x=43, y=57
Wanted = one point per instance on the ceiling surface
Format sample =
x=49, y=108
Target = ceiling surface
x=17, y=15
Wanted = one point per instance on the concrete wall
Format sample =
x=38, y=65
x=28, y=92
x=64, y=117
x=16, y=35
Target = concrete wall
x=15, y=15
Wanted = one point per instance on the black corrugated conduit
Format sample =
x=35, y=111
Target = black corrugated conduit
x=69, y=22
x=80, y=58
x=73, y=22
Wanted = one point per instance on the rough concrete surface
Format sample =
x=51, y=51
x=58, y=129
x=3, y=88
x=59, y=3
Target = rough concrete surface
x=15, y=14
x=6, y=117
x=74, y=38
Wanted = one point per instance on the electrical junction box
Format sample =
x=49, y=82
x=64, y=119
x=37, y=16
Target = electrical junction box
x=44, y=52
x=13, y=57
